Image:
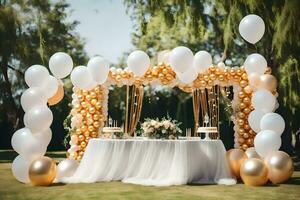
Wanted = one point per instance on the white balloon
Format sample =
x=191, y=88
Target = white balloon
x=181, y=59
x=36, y=76
x=263, y=100
x=19, y=137
x=188, y=76
x=60, y=64
x=252, y=28
x=99, y=69
x=38, y=119
x=266, y=142
x=44, y=137
x=20, y=169
x=254, y=119
x=51, y=86
x=66, y=168
x=255, y=63
x=25, y=144
x=272, y=121
x=138, y=62
x=33, y=148
x=91, y=85
x=33, y=96
x=81, y=77
x=202, y=61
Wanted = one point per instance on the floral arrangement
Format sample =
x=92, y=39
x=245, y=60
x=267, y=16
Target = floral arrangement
x=161, y=129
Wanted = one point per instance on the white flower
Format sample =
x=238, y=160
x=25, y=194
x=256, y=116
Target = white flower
x=157, y=125
x=172, y=126
x=166, y=124
x=153, y=122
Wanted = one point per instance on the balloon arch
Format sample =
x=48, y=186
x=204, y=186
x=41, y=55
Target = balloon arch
x=90, y=106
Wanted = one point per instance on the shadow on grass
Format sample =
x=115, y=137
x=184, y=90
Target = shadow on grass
x=57, y=184
x=293, y=181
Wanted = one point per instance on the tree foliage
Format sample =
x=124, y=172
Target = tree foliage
x=30, y=32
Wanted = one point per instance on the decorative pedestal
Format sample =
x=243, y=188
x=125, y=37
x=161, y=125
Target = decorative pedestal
x=207, y=131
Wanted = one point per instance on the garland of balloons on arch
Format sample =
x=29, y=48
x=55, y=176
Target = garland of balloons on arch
x=255, y=122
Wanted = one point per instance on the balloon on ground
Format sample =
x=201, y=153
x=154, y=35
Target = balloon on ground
x=20, y=167
x=235, y=157
x=42, y=171
x=280, y=166
x=66, y=168
x=251, y=153
x=254, y=172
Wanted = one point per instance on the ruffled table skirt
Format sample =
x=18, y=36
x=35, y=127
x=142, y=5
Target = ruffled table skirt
x=153, y=162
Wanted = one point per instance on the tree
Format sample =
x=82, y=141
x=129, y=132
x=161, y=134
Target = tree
x=212, y=25
x=30, y=32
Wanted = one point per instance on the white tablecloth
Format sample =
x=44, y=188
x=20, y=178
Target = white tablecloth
x=153, y=162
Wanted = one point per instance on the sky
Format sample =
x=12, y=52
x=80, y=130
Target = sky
x=104, y=25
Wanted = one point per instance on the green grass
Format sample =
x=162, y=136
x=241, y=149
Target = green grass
x=11, y=189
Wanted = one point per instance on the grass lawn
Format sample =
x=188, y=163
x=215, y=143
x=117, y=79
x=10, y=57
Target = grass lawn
x=11, y=189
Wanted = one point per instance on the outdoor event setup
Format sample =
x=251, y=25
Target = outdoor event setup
x=102, y=149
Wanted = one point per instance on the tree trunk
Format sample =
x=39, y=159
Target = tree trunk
x=10, y=108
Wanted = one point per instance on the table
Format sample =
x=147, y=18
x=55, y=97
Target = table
x=153, y=162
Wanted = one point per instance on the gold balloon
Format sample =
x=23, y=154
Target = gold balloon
x=235, y=157
x=251, y=153
x=248, y=89
x=268, y=82
x=42, y=171
x=254, y=172
x=58, y=96
x=243, y=83
x=280, y=166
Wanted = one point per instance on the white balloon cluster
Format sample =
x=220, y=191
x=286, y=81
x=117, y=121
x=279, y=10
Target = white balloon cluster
x=186, y=65
x=88, y=77
x=268, y=125
x=32, y=141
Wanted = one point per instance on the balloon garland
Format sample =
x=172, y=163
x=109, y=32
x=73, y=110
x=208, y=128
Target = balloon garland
x=254, y=103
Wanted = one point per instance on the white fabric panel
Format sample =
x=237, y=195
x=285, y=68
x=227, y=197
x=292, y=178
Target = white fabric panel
x=153, y=162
